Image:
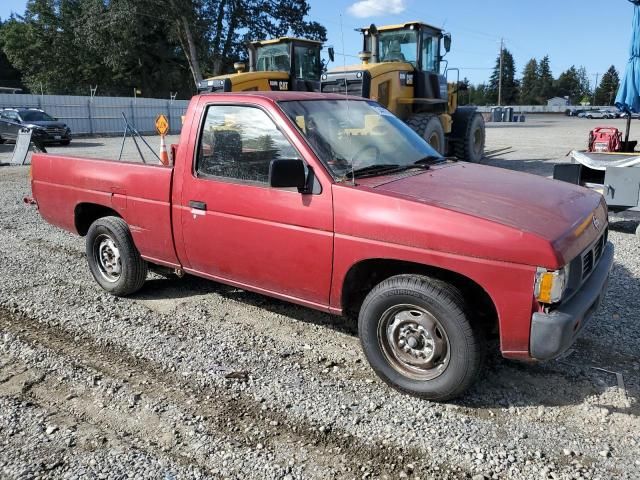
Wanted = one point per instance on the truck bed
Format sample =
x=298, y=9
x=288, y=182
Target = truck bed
x=66, y=188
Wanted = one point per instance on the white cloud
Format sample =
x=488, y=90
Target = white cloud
x=374, y=8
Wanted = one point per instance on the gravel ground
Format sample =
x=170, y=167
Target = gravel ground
x=193, y=379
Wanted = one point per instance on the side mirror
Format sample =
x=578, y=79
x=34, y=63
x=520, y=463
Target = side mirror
x=287, y=173
x=447, y=42
x=332, y=54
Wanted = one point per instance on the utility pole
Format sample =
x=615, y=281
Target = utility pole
x=595, y=87
x=500, y=76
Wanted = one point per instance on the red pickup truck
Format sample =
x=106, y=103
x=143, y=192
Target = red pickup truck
x=333, y=203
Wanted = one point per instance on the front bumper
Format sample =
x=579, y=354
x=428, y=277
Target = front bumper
x=46, y=137
x=553, y=333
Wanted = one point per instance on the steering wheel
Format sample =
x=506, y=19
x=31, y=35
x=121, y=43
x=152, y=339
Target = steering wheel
x=364, y=149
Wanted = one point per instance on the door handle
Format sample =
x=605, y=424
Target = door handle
x=197, y=205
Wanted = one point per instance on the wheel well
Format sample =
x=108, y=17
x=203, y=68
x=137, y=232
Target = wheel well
x=87, y=213
x=365, y=275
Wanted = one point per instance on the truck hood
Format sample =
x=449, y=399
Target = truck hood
x=556, y=211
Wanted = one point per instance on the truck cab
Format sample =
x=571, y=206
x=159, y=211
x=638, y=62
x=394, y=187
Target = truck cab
x=281, y=64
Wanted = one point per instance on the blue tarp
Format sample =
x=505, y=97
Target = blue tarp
x=628, y=98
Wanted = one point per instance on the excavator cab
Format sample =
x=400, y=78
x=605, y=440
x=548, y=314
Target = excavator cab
x=402, y=69
x=282, y=64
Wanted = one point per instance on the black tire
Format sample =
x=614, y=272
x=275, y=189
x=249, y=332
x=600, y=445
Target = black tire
x=113, y=258
x=65, y=142
x=468, y=135
x=455, y=370
x=429, y=127
x=2, y=140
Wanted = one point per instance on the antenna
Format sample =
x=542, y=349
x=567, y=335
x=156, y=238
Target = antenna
x=346, y=93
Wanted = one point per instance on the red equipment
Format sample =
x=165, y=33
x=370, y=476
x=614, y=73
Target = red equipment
x=605, y=139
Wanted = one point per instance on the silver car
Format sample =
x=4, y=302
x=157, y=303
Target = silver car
x=606, y=114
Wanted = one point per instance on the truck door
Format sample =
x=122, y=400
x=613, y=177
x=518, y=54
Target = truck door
x=238, y=229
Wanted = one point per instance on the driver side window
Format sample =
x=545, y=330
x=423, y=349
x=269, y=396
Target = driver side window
x=239, y=143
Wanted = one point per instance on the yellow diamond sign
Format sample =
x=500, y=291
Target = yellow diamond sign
x=162, y=125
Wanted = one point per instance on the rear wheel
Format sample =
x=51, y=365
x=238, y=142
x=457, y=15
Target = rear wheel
x=430, y=128
x=418, y=338
x=113, y=258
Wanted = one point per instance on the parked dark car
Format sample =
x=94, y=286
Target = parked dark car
x=46, y=129
x=574, y=112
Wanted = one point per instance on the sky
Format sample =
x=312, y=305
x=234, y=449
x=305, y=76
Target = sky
x=590, y=33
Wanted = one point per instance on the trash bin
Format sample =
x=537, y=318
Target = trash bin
x=507, y=114
x=522, y=118
x=496, y=114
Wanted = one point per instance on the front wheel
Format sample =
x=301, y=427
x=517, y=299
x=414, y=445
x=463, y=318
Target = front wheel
x=113, y=258
x=417, y=336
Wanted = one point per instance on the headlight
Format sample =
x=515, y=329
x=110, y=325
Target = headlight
x=551, y=284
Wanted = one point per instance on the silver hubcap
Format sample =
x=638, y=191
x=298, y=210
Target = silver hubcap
x=107, y=257
x=413, y=342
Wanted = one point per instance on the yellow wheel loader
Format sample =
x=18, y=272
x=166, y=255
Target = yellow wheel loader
x=402, y=69
x=281, y=64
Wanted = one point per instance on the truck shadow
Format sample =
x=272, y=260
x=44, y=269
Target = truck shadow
x=623, y=225
x=588, y=372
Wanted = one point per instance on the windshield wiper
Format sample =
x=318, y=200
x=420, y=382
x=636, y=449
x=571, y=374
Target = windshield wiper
x=429, y=160
x=374, y=170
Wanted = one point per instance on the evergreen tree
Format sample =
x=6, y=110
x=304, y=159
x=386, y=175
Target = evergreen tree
x=544, y=88
x=529, y=84
x=509, y=82
x=585, y=85
x=606, y=91
x=9, y=76
x=464, y=92
x=478, y=95
x=568, y=85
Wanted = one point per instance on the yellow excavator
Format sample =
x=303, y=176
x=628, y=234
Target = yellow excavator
x=402, y=69
x=284, y=63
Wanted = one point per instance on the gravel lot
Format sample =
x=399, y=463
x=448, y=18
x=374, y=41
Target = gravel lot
x=193, y=379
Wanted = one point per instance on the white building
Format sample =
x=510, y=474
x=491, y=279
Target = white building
x=558, y=102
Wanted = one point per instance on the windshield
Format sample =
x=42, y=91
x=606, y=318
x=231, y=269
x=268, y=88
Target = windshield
x=307, y=62
x=398, y=46
x=35, y=116
x=358, y=136
x=273, y=58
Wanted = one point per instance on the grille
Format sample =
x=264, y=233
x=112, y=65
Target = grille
x=591, y=256
x=354, y=87
x=54, y=130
